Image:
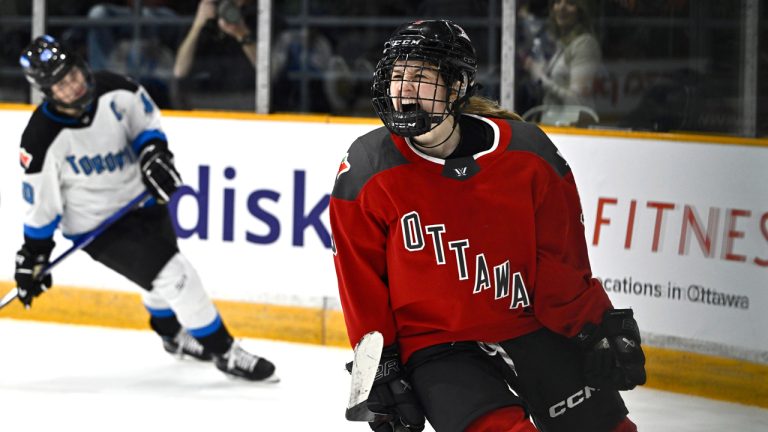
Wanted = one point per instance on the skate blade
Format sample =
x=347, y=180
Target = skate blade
x=272, y=379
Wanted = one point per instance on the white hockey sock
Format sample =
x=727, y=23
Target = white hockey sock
x=180, y=287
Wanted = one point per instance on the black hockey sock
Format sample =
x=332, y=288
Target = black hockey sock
x=165, y=326
x=217, y=342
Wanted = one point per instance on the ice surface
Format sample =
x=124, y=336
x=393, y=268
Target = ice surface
x=56, y=377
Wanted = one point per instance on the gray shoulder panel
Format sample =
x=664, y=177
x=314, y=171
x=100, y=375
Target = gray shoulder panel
x=529, y=138
x=369, y=155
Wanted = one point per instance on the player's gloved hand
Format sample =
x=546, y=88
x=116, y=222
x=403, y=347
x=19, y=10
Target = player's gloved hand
x=613, y=356
x=392, y=394
x=158, y=172
x=29, y=264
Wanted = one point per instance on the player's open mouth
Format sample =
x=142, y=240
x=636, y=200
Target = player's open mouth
x=410, y=106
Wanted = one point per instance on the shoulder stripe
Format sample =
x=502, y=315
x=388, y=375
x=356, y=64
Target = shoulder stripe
x=529, y=138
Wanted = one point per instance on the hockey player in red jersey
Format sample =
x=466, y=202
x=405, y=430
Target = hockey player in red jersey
x=458, y=235
x=93, y=145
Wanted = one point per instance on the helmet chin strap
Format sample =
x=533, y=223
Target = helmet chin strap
x=453, y=129
x=455, y=112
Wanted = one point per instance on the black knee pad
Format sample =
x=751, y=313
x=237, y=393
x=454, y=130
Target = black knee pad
x=456, y=384
x=550, y=379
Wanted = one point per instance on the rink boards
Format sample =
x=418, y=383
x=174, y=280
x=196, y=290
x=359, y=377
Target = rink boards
x=677, y=229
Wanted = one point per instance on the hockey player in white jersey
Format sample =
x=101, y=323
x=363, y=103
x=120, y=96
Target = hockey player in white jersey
x=93, y=145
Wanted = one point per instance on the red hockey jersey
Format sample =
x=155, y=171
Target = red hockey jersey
x=487, y=247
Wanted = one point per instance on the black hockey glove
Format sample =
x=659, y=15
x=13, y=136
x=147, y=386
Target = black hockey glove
x=613, y=357
x=30, y=261
x=158, y=172
x=392, y=394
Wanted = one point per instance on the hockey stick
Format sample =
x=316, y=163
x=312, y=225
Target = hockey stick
x=82, y=242
x=364, y=368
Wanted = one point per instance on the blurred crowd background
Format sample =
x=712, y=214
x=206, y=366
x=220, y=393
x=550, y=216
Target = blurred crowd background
x=645, y=65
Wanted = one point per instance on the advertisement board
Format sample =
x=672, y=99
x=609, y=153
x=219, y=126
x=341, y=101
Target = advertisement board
x=677, y=230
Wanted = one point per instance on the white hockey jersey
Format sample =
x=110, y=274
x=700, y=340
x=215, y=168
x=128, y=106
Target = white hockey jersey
x=80, y=171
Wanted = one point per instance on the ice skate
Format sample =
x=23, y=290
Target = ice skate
x=184, y=344
x=238, y=362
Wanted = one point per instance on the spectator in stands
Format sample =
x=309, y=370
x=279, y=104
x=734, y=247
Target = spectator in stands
x=348, y=76
x=531, y=31
x=567, y=78
x=218, y=55
x=148, y=59
x=301, y=57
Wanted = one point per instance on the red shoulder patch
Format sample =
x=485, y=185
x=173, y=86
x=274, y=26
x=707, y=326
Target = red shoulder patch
x=344, y=166
x=25, y=158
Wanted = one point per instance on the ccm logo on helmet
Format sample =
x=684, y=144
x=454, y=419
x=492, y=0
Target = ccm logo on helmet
x=406, y=42
x=571, y=402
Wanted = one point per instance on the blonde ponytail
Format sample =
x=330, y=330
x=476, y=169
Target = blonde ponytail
x=488, y=108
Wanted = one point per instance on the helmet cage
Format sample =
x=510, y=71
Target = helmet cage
x=441, y=46
x=418, y=112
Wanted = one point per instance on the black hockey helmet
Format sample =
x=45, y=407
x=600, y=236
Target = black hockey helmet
x=45, y=63
x=446, y=48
